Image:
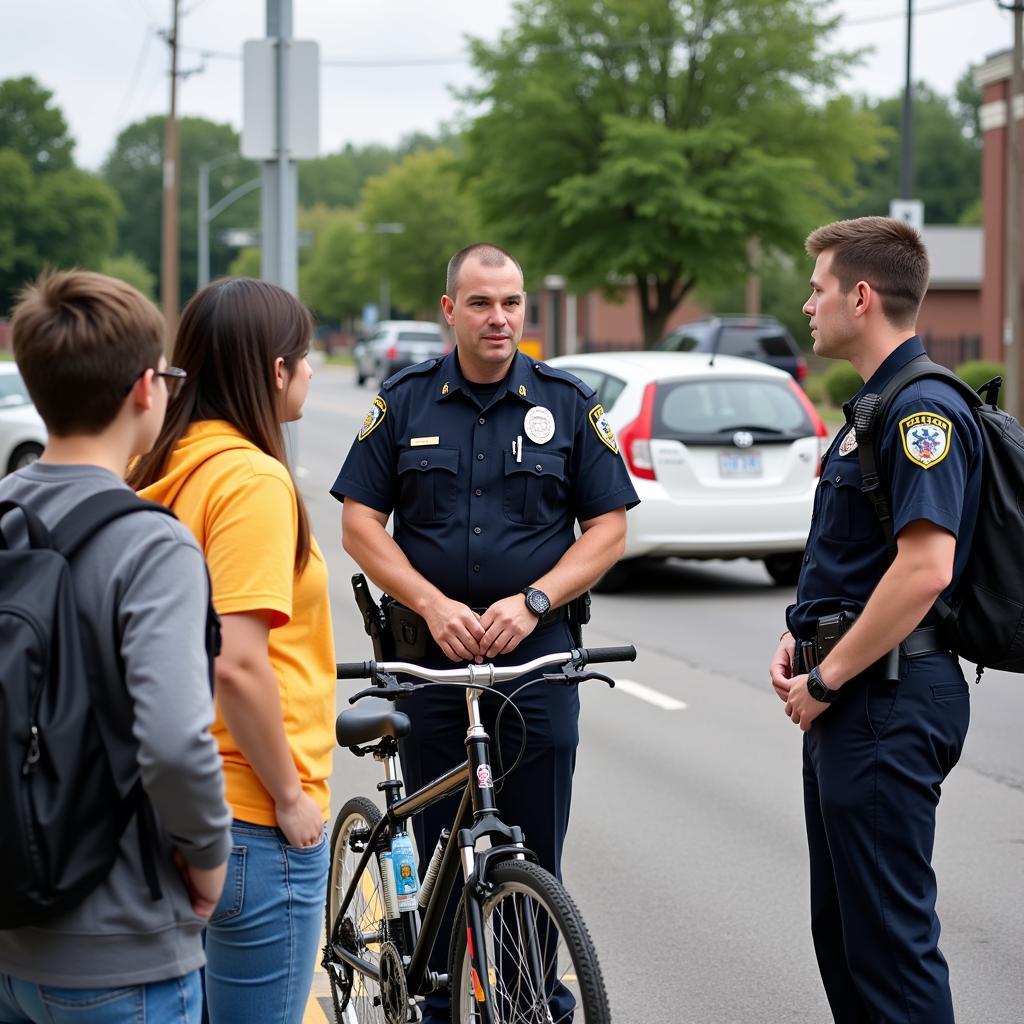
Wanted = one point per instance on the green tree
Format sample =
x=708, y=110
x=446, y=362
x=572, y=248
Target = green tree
x=946, y=155
x=32, y=126
x=424, y=194
x=130, y=268
x=135, y=170
x=338, y=179
x=329, y=282
x=648, y=140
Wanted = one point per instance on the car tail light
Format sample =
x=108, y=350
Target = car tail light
x=820, y=430
x=635, y=438
x=392, y=352
x=801, y=369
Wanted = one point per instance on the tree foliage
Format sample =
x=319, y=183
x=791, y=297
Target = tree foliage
x=33, y=127
x=946, y=155
x=425, y=195
x=131, y=269
x=650, y=139
x=330, y=282
x=51, y=213
x=135, y=170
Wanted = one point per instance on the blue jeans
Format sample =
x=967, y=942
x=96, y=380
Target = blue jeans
x=177, y=1001
x=263, y=938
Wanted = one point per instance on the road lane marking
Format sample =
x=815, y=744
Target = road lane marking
x=655, y=697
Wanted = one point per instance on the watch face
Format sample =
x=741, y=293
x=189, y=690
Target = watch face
x=537, y=601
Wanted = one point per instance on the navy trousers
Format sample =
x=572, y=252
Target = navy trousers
x=536, y=796
x=874, y=764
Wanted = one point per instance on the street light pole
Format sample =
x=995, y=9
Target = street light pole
x=393, y=228
x=907, y=129
x=169, y=241
x=208, y=213
x=1011, y=328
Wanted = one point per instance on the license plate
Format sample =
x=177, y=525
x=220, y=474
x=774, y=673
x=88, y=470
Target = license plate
x=740, y=464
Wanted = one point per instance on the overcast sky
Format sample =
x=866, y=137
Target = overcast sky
x=107, y=67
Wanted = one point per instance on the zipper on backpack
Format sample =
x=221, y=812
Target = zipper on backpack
x=33, y=754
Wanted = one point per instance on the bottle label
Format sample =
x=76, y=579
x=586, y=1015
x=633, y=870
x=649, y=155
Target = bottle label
x=407, y=882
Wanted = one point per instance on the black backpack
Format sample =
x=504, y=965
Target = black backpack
x=67, y=756
x=985, y=620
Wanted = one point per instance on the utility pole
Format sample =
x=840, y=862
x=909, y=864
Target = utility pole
x=169, y=240
x=907, y=127
x=279, y=252
x=1011, y=328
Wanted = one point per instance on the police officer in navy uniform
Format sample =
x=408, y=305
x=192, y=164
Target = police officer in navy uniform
x=881, y=732
x=487, y=459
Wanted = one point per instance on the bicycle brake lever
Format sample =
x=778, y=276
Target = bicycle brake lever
x=393, y=691
x=572, y=676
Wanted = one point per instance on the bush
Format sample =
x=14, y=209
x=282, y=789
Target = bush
x=814, y=385
x=842, y=382
x=980, y=371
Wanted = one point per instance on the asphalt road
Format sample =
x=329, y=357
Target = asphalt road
x=686, y=850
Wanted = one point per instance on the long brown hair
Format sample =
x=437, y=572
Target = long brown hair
x=229, y=336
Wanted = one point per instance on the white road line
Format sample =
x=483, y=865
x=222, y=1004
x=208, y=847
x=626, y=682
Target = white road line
x=641, y=692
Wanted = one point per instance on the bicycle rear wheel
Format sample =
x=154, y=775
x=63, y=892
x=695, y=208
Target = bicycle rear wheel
x=541, y=960
x=363, y=928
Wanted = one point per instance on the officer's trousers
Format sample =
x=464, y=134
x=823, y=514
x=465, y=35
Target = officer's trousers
x=536, y=797
x=874, y=763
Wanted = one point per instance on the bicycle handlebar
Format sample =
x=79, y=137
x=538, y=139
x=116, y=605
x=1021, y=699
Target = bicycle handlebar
x=486, y=674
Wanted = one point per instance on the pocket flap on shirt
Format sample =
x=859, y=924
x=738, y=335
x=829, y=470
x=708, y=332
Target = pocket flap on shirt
x=536, y=464
x=426, y=459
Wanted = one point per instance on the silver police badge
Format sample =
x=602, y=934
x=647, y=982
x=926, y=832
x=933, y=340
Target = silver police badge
x=848, y=443
x=539, y=425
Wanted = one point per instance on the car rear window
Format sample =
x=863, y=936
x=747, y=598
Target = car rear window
x=12, y=391
x=718, y=407
x=753, y=343
x=418, y=336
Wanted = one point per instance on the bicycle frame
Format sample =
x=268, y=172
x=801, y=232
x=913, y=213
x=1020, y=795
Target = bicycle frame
x=473, y=777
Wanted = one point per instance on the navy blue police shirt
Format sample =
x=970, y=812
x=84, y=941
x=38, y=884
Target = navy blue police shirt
x=481, y=509
x=930, y=462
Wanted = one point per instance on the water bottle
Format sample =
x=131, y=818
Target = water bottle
x=407, y=882
x=387, y=884
x=433, y=868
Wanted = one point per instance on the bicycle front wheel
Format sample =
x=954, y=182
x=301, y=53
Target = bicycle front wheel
x=540, y=959
x=362, y=928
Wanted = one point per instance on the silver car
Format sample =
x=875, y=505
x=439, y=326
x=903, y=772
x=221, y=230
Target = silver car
x=22, y=432
x=396, y=344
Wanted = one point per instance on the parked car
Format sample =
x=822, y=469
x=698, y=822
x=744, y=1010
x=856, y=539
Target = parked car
x=724, y=453
x=22, y=432
x=752, y=337
x=396, y=344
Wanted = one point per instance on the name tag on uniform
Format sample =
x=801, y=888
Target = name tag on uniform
x=420, y=442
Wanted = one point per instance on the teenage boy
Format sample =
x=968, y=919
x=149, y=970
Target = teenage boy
x=90, y=349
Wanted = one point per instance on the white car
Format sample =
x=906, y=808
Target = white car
x=724, y=453
x=396, y=344
x=22, y=432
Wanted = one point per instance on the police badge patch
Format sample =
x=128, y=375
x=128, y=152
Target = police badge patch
x=926, y=438
x=848, y=443
x=373, y=418
x=603, y=428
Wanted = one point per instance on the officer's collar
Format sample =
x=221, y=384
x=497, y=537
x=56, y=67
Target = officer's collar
x=518, y=380
x=891, y=365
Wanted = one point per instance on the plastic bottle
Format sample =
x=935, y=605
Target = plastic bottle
x=407, y=882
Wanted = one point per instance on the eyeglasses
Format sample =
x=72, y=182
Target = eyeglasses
x=173, y=375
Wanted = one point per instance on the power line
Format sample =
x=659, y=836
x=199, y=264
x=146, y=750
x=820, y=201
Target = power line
x=140, y=62
x=875, y=19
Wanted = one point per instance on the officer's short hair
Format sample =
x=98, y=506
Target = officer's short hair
x=487, y=253
x=80, y=340
x=886, y=253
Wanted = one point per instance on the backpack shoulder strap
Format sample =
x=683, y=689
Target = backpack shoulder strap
x=90, y=516
x=38, y=535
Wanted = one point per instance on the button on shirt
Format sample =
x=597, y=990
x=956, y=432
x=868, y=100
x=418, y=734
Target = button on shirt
x=930, y=463
x=480, y=509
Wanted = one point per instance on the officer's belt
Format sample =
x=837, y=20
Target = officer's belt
x=924, y=640
x=412, y=638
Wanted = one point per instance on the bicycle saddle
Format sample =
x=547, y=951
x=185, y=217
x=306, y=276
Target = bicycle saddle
x=370, y=719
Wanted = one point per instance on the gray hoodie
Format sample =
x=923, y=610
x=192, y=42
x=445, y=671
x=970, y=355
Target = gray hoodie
x=144, y=575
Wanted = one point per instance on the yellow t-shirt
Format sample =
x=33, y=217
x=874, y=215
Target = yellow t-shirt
x=240, y=504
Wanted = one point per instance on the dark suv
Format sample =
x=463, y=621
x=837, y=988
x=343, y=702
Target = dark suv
x=753, y=337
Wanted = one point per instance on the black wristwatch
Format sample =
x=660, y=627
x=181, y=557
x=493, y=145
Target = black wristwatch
x=537, y=601
x=818, y=690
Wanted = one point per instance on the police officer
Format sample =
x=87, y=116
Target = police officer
x=487, y=459
x=880, y=733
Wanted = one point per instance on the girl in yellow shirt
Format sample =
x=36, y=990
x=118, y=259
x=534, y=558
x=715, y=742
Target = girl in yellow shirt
x=220, y=464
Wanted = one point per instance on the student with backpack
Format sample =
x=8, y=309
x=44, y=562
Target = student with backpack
x=220, y=464
x=115, y=829
x=865, y=667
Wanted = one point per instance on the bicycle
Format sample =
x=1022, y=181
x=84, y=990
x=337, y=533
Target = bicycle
x=525, y=955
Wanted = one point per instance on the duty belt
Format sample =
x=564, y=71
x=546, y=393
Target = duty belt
x=924, y=640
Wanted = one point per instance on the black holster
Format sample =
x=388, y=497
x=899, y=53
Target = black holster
x=375, y=622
